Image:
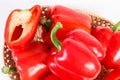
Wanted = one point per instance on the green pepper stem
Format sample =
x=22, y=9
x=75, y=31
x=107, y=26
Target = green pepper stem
x=116, y=27
x=53, y=37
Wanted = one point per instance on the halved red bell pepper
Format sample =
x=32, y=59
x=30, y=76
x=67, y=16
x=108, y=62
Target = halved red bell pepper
x=21, y=27
x=72, y=60
x=31, y=63
x=103, y=34
x=70, y=19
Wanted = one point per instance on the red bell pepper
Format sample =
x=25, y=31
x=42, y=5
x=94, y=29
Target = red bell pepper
x=52, y=77
x=114, y=75
x=73, y=60
x=31, y=63
x=92, y=43
x=103, y=34
x=70, y=19
x=21, y=27
x=112, y=59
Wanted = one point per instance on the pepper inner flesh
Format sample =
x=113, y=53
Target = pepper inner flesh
x=17, y=33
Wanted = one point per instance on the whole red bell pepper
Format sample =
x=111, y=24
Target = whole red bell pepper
x=52, y=77
x=112, y=59
x=114, y=75
x=92, y=43
x=103, y=34
x=72, y=60
x=70, y=19
x=31, y=63
x=21, y=27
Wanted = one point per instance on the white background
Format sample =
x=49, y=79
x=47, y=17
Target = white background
x=109, y=9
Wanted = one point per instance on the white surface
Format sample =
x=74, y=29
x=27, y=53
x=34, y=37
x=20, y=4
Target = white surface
x=109, y=9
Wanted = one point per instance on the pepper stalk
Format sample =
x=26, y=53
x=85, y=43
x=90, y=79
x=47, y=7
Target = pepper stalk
x=53, y=37
x=116, y=27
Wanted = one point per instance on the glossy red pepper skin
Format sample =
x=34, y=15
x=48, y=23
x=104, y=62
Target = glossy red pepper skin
x=74, y=61
x=92, y=43
x=88, y=67
x=21, y=27
x=70, y=19
x=114, y=75
x=52, y=77
x=103, y=34
x=31, y=63
x=112, y=59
